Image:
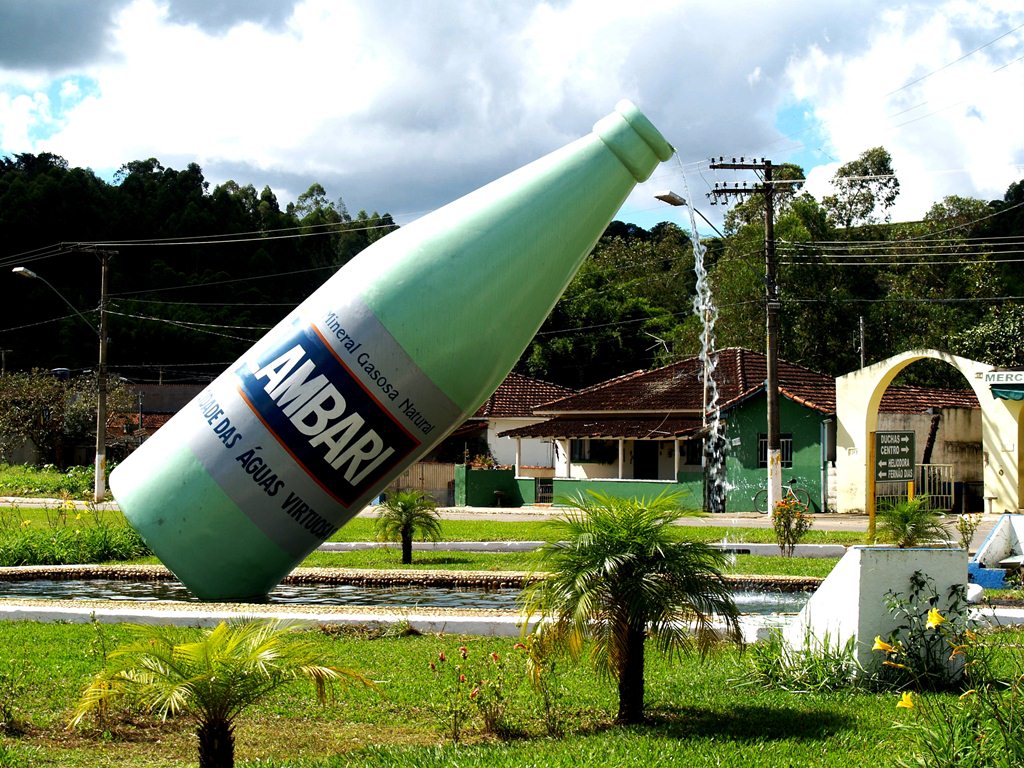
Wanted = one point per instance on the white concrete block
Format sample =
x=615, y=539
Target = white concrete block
x=850, y=603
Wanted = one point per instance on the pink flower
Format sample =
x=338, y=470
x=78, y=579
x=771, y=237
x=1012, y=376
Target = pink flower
x=474, y=693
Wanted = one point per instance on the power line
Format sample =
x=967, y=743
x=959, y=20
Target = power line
x=956, y=61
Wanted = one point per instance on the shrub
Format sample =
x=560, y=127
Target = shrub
x=64, y=545
x=475, y=683
x=982, y=728
x=817, y=666
x=791, y=523
x=928, y=650
x=911, y=523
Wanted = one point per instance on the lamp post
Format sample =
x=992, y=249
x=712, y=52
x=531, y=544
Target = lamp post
x=100, y=478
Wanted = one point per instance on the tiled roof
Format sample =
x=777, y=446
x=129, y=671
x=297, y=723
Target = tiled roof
x=652, y=404
x=637, y=428
x=739, y=373
x=920, y=399
x=518, y=395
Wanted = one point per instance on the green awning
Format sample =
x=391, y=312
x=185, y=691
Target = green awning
x=1008, y=392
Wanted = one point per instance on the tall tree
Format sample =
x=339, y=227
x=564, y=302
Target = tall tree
x=628, y=308
x=865, y=190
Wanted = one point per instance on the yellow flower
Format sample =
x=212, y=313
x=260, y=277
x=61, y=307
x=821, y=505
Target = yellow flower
x=965, y=694
x=893, y=664
x=881, y=645
x=972, y=636
x=934, y=619
x=958, y=650
x=25, y=523
x=906, y=701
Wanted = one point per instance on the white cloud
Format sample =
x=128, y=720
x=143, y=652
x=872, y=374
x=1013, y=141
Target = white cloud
x=951, y=126
x=405, y=105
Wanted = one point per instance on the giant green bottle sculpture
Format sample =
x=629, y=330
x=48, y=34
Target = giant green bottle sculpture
x=374, y=369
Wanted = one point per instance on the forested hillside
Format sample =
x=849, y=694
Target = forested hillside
x=197, y=274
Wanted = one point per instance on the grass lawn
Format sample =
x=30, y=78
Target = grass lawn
x=701, y=714
x=361, y=529
x=749, y=565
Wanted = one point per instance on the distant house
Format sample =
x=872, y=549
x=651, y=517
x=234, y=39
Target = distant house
x=157, y=403
x=643, y=433
x=510, y=407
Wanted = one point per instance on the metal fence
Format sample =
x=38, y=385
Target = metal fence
x=934, y=481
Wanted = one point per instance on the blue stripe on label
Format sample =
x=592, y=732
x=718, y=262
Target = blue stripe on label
x=323, y=416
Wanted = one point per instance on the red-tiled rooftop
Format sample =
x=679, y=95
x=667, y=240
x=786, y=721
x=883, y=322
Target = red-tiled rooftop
x=668, y=401
x=518, y=396
x=679, y=387
x=920, y=399
x=630, y=427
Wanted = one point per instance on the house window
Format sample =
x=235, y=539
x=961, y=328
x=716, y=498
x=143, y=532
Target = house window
x=785, y=447
x=584, y=451
x=579, y=450
x=693, y=453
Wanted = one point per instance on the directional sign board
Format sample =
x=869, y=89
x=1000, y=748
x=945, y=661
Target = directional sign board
x=894, y=456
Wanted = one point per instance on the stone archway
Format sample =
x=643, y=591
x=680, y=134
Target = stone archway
x=857, y=397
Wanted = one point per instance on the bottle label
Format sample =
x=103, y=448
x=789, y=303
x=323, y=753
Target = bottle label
x=315, y=407
x=316, y=420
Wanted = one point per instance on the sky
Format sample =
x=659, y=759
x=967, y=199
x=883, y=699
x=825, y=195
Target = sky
x=404, y=105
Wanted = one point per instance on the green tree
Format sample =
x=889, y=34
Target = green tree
x=212, y=679
x=403, y=515
x=865, y=188
x=55, y=414
x=617, y=572
x=996, y=339
x=627, y=308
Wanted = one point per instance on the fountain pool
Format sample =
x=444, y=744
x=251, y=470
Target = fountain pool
x=350, y=595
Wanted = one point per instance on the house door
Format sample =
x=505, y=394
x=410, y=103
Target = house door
x=645, y=460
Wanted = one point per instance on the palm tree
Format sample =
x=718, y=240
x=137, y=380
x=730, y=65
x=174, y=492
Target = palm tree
x=911, y=523
x=403, y=515
x=212, y=679
x=615, y=573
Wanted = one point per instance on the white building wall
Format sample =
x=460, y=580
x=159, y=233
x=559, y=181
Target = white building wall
x=536, y=452
x=957, y=442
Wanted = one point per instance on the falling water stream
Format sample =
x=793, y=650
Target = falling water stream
x=705, y=309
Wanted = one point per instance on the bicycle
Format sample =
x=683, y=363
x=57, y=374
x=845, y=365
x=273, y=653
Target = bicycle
x=791, y=492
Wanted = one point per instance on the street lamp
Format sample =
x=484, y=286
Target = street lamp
x=677, y=200
x=100, y=478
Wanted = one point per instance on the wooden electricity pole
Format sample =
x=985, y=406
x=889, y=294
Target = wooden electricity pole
x=772, y=305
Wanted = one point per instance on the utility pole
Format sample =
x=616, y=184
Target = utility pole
x=3, y=361
x=772, y=304
x=100, y=476
x=100, y=479
x=860, y=327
